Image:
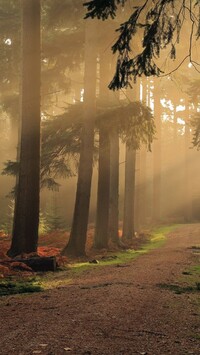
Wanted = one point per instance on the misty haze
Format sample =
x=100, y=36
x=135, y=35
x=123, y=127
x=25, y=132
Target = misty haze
x=100, y=166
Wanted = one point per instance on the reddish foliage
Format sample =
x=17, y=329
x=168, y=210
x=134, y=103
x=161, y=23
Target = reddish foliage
x=2, y=234
x=16, y=265
x=48, y=251
x=3, y=256
x=55, y=239
x=4, y=271
x=50, y=244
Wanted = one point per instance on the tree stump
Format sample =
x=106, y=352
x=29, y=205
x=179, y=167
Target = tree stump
x=40, y=263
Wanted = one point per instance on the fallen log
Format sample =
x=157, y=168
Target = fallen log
x=40, y=263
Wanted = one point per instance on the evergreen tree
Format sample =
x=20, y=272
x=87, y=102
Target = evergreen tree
x=138, y=132
x=114, y=185
x=76, y=245
x=156, y=149
x=26, y=215
x=129, y=194
x=159, y=24
x=103, y=188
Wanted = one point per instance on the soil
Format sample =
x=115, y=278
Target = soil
x=111, y=310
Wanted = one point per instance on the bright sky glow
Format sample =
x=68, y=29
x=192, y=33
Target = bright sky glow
x=8, y=41
x=141, y=91
x=180, y=121
x=180, y=108
x=82, y=95
x=167, y=104
x=165, y=117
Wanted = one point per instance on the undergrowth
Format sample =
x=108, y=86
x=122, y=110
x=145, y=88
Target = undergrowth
x=66, y=275
x=180, y=289
x=156, y=240
x=189, y=282
x=11, y=286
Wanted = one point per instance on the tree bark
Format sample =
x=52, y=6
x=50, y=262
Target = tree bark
x=157, y=158
x=129, y=194
x=40, y=263
x=77, y=241
x=142, y=186
x=114, y=186
x=26, y=216
x=187, y=183
x=102, y=217
x=103, y=189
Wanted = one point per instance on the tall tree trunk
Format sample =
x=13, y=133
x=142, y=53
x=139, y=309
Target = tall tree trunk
x=114, y=186
x=77, y=241
x=137, y=192
x=131, y=204
x=102, y=216
x=103, y=190
x=188, y=197
x=129, y=194
x=157, y=157
x=26, y=216
x=142, y=188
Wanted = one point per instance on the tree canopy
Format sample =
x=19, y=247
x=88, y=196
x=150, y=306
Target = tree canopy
x=158, y=24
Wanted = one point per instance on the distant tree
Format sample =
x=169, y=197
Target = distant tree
x=142, y=167
x=193, y=91
x=26, y=215
x=103, y=187
x=103, y=193
x=196, y=125
x=135, y=126
x=114, y=185
x=156, y=149
x=129, y=194
x=194, y=98
x=60, y=148
x=62, y=51
x=159, y=24
x=139, y=131
x=10, y=57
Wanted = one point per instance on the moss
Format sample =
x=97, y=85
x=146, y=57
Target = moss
x=158, y=237
x=188, y=283
x=195, y=336
x=178, y=289
x=198, y=286
x=191, y=276
x=11, y=287
x=66, y=276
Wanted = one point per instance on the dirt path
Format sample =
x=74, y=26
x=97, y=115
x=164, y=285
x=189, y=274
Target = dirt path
x=112, y=311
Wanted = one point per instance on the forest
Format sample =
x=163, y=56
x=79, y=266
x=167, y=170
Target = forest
x=99, y=175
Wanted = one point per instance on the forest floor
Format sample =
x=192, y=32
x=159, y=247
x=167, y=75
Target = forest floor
x=149, y=306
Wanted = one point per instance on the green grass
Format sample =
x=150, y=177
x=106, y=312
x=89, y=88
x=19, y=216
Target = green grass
x=66, y=275
x=179, y=289
x=195, y=336
x=12, y=287
x=195, y=270
x=156, y=240
x=63, y=278
x=188, y=283
x=191, y=277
